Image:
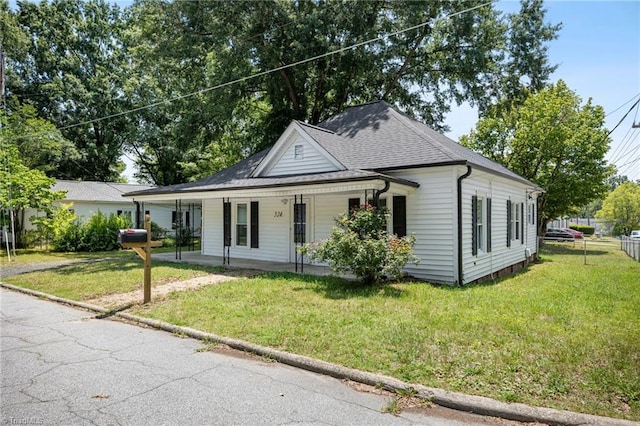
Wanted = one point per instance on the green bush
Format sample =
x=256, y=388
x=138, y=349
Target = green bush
x=99, y=233
x=361, y=245
x=157, y=231
x=183, y=236
x=168, y=242
x=585, y=229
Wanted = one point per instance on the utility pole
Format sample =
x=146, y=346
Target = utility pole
x=6, y=164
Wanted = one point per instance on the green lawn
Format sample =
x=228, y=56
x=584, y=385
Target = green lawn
x=119, y=272
x=561, y=334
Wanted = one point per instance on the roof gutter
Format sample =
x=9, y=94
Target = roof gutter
x=459, y=194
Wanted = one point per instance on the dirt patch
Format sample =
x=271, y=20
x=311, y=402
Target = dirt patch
x=161, y=292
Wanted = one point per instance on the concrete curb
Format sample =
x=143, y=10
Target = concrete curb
x=457, y=401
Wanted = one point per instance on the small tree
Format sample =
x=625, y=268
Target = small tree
x=22, y=188
x=65, y=228
x=622, y=208
x=360, y=244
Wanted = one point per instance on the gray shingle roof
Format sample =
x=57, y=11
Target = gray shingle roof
x=376, y=136
x=106, y=192
x=367, y=140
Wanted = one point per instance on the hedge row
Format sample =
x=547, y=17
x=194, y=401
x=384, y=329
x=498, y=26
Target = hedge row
x=585, y=229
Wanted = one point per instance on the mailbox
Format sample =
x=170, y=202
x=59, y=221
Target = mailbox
x=132, y=236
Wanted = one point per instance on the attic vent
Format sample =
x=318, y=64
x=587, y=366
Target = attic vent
x=298, y=153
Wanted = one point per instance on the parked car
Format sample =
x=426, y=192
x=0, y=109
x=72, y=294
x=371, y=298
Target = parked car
x=635, y=235
x=576, y=234
x=558, y=235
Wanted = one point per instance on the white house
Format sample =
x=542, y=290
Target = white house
x=90, y=197
x=472, y=217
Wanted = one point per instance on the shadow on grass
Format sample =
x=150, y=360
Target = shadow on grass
x=336, y=288
x=125, y=264
x=560, y=248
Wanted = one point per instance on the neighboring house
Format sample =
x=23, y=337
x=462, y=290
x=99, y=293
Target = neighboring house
x=472, y=218
x=90, y=197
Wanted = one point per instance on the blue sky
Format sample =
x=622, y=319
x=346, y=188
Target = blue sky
x=598, y=52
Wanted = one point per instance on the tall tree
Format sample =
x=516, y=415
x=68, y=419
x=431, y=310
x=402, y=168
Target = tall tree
x=453, y=54
x=553, y=140
x=41, y=146
x=526, y=66
x=72, y=75
x=622, y=208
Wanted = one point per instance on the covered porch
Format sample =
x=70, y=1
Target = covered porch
x=197, y=258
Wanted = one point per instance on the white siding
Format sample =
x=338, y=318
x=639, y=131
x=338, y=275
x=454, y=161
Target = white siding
x=312, y=161
x=431, y=218
x=499, y=190
x=273, y=230
x=327, y=209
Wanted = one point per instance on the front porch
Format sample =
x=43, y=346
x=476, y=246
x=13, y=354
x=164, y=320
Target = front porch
x=197, y=258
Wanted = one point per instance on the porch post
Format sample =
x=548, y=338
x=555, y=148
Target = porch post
x=226, y=230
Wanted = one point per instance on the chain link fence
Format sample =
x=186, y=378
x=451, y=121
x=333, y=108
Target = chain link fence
x=631, y=247
x=591, y=249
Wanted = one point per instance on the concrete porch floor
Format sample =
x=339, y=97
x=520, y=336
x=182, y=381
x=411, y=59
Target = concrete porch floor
x=197, y=258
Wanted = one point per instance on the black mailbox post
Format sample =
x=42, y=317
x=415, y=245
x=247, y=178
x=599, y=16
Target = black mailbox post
x=132, y=236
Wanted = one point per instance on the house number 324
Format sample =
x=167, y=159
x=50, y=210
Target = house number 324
x=277, y=214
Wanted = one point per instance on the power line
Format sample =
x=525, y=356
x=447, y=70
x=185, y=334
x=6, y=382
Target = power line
x=625, y=116
x=622, y=145
x=622, y=105
x=280, y=68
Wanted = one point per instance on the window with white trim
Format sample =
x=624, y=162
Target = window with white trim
x=515, y=221
x=298, y=152
x=241, y=224
x=481, y=224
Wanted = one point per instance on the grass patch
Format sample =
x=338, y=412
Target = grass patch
x=121, y=273
x=25, y=256
x=562, y=334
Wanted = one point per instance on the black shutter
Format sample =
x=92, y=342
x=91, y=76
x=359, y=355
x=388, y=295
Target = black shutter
x=474, y=225
x=508, y=223
x=226, y=223
x=254, y=224
x=488, y=225
x=400, y=215
x=522, y=223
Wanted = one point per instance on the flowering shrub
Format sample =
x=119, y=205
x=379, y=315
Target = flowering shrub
x=361, y=245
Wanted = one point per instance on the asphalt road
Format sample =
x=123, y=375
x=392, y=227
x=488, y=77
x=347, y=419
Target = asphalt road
x=61, y=365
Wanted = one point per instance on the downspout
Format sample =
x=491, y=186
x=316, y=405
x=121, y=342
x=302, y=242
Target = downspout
x=377, y=193
x=459, y=189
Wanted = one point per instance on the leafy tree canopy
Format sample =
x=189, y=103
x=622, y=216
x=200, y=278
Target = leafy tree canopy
x=41, y=145
x=86, y=60
x=71, y=73
x=459, y=55
x=555, y=141
x=622, y=208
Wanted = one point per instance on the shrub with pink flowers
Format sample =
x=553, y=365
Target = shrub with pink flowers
x=360, y=244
